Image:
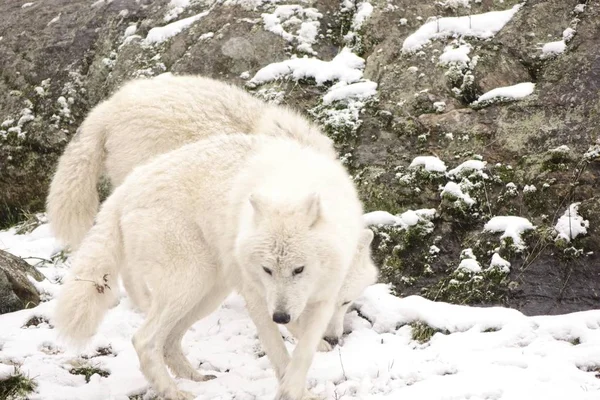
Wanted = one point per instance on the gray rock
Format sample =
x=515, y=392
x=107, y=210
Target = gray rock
x=16, y=291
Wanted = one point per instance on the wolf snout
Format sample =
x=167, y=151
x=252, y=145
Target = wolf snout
x=281, y=317
x=332, y=340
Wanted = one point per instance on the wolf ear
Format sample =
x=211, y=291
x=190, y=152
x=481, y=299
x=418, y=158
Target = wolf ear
x=366, y=237
x=258, y=205
x=312, y=208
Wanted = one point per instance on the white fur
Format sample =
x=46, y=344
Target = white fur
x=186, y=225
x=149, y=117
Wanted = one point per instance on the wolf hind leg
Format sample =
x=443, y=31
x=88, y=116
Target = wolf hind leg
x=162, y=317
x=173, y=352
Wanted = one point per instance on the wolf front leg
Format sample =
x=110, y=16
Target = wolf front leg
x=297, y=327
x=293, y=384
x=268, y=332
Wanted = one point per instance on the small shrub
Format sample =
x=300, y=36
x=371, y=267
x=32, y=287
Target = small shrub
x=88, y=371
x=16, y=386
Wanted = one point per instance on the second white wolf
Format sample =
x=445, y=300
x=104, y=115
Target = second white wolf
x=149, y=117
x=277, y=221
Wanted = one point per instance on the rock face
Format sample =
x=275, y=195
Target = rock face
x=62, y=57
x=16, y=291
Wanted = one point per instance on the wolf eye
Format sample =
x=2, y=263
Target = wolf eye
x=267, y=270
x=345, y=303
x=298, y=270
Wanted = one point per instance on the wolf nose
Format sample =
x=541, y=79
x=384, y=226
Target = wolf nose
x=333, y=341
x=281, y=317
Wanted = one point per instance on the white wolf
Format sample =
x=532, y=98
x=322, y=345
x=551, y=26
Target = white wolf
x=148, y=117
x=279, y=222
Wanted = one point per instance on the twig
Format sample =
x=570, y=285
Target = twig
x=342, y=364
x=100, y=288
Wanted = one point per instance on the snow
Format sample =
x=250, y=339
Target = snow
x=453, y=189
x=571, y=224
x=568, y=34
x=470, y=265
x=176, y=7
x=468, y=166
x=160, y=34
x=25, y=5
x=529, y=189
x=346, y=67
x=559, y=46
x=455, y=55
x=363, y=12
x=514, y=92
x=500, y=263
x=131, y=29
x=563, y=149
x=358, y=90
x=482, y=26
x=206, y=36
x=439, y=106
x=468, y=262
x=53, y=20
x=510, y=226
x=294, y=15
x=405, y=220
x=488, y=353
x=455, y=3
x=429, y=163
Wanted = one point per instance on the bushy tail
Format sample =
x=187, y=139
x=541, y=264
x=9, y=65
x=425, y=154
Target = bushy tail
x=72, y=201
x=91, y=288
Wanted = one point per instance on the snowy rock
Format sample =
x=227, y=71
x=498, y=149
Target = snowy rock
x=16, y=290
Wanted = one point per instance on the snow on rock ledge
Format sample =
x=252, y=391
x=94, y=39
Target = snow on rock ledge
x=482, y=26
x=510, y=226
x=346, y=67
x=405, y=220
x=162, y=33
x=429, y=163
x=514, y=92
x=342, y=91
x=571, y=224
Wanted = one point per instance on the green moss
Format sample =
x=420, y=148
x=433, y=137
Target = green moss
x=16, y=386
x=491, y=329
x=404, y=253
x=378, y=197
x=422, y=333
x=488, y=287
x=88, y=371
x=557, y=161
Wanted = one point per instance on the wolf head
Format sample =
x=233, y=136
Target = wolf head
x=361, y=274
x=279, y=247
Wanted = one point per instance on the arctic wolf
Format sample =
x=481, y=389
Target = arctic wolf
x=275, y=220
x=148, y=117
x=362, y=273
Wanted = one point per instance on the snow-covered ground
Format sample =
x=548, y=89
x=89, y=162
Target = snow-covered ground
x=483, y=353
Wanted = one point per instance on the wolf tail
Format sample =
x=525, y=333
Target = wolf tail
x=72, y=201
x=91, y=288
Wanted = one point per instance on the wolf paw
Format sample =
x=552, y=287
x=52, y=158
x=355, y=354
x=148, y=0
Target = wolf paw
x=203, y=378
x=175, y=394
x=324, y=346
x=309, y=396
x=281, y=395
